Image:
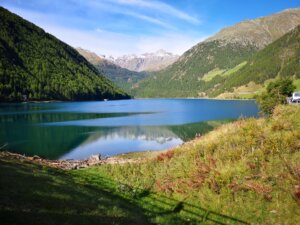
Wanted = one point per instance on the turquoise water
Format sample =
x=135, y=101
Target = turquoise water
x=76, y=130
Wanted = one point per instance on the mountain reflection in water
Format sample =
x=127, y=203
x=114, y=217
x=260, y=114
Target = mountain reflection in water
x=75, y=130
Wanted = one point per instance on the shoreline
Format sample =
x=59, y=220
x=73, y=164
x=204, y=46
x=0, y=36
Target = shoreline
x=93, y=160
x=196, y=98
x=161, y=98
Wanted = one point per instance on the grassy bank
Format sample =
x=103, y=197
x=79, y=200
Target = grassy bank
x=243, y=172
x=247, y=170
x=34, y=194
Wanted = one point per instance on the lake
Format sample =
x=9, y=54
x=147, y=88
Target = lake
x=76, y=130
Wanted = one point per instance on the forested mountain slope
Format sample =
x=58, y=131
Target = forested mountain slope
x=38, y=66
x=280, y=58
x=222, y=54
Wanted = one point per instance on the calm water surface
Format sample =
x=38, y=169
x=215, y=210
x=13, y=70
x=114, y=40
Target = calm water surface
x=76, y=130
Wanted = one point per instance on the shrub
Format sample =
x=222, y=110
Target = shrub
x=276, y=94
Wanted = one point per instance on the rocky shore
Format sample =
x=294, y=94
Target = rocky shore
x=94, y=160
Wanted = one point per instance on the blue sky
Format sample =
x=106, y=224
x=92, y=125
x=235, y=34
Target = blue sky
x=117, y=27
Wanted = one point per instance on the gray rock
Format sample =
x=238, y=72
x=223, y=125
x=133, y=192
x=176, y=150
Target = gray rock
x=35, y=157
x=94, y=158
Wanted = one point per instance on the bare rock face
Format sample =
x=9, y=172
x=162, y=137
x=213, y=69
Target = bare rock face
x=260, y=32
x=147, y=61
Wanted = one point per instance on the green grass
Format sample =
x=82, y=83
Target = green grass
x=223, y=73
x=251, y=90
x=280, y=58
x=34, y=194
x=234, y=69
x=297, y=84
x=211, y=74
x=158, y=207
x=138, y=155
x=242, y=171
x=248, y=91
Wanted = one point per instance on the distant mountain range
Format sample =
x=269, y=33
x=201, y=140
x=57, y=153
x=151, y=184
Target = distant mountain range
x=147, y=61
x=124, y=78
x=35, y=65
x=127, y=70
x=202, y=70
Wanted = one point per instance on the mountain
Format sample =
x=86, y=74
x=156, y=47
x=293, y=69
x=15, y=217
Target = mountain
x=280, y=58
x=205, y=66
x=262, y=31
x=38, y=66
x=147, y=61
x=122, y=77
x=92, y=57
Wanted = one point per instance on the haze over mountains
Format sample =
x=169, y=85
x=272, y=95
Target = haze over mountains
x=202, y=68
